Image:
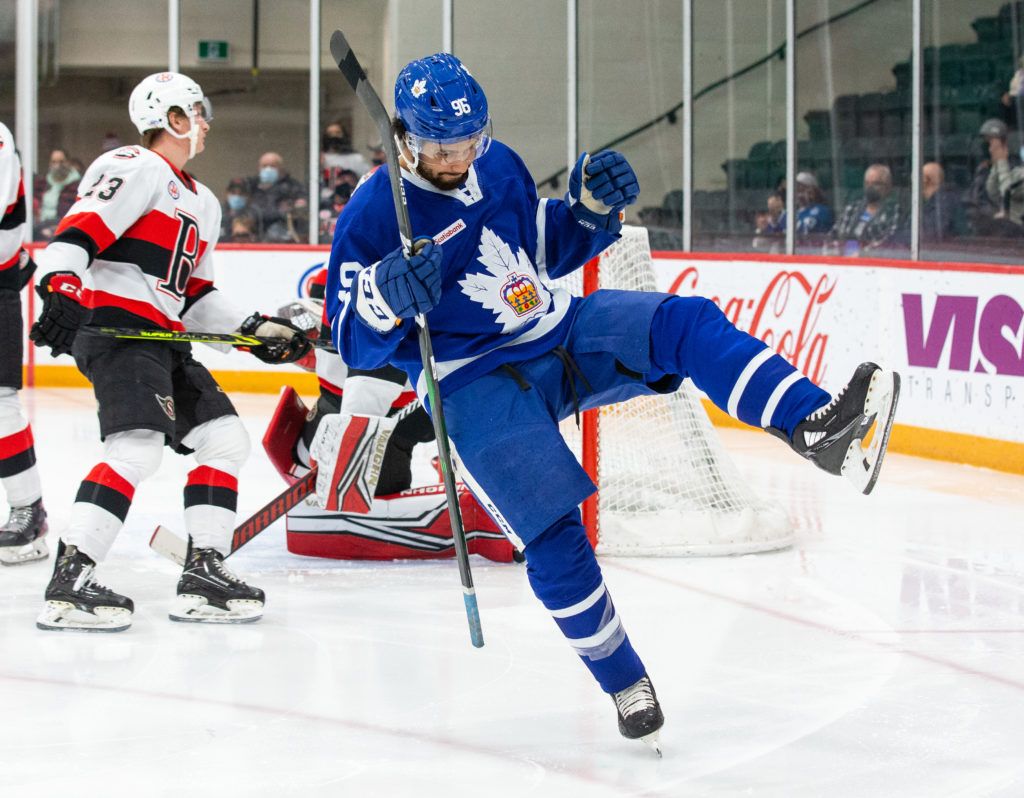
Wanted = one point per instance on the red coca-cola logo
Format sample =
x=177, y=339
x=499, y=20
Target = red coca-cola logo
x=785, y=315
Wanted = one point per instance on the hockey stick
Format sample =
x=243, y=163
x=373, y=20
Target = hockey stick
x=172, y=546
x=178, y=336
x=356, y=77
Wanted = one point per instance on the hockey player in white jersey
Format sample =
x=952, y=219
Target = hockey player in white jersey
x=514, y=356
x=135, y=250
x=21, y=537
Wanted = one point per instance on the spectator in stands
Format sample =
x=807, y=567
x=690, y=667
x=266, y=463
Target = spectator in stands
x=111, y=141
x=243, y=229
x=329, y=215
x=337, y=154
x=291, y=223
x=770, y=225
x=1005, y=182
x=273, y=189
x=942, y=214
x=873, y=221
x=813, y=215
x=54, y=193
x=236, y=203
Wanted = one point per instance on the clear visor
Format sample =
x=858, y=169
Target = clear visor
x=433, y=151
x=202, y=110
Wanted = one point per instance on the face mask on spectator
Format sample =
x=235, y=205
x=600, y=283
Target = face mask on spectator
x=335, y=144
x=236, y=201
x=269, y=174
x=60, y=171
x=873, y=194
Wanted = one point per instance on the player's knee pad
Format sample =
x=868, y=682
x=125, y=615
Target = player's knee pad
x=134, y=454
x=11, y=418
x=222, y=443
x=560, y=562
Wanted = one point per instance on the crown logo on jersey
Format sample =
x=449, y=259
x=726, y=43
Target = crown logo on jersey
x=520, y=293
x=419, y=87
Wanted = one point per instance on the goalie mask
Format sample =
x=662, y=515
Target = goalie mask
x=157, y=94
x=443, y=110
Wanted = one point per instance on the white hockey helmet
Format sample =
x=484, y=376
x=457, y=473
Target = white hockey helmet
x=157, y=94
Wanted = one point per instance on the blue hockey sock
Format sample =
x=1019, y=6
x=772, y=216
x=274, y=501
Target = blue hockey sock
x=691, y=337
x=565, y=576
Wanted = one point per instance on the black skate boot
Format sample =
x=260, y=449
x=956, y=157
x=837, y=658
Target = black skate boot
x=75, y=601
x=209, y=593
x=832, y=437
x=640, y=715
x=21, y=538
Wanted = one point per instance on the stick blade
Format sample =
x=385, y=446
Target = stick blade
x=167, y=544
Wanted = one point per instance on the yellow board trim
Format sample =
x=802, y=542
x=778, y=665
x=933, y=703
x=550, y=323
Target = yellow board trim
x=55, y=376
x=931, y=443
x=920, y=441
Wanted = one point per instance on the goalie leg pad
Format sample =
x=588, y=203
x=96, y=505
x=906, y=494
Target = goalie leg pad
x=411, y=525
x=283, y=434
x=349, y=450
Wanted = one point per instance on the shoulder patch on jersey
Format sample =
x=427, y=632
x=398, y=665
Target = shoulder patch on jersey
x=126, y=153
x=173, y=190
x=510, y=287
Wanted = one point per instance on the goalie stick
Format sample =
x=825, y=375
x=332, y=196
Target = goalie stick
x=178, y=336
x=356, y=77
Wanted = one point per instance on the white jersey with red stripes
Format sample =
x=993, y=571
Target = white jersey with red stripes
x=141, y=236
x=12, y=209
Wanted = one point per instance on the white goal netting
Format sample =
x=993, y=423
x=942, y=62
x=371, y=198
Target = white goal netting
x=666, y=485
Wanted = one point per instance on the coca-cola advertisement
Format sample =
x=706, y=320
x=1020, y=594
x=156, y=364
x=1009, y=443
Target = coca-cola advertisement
x=956, y=336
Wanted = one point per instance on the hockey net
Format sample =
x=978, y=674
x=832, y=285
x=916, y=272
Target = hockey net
x=666, y=486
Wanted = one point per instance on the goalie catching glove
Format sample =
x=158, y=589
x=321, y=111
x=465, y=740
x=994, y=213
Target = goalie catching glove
x=400, y=286
x=291, y=345
x=61, y=315
x=599, y=188
x=349, y=453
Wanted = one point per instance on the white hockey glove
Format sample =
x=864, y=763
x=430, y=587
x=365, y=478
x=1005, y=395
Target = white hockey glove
x=349, y=452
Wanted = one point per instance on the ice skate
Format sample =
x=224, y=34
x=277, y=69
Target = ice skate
x=74, y=600
x=21, y=538
x=209, y=593
x=640, y=716
x=833, y=437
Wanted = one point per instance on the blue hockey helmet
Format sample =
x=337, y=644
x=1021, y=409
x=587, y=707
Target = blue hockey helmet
x=440, y=103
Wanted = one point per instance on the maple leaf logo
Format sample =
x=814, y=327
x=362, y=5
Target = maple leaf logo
x=510, y=288
x=419, y=87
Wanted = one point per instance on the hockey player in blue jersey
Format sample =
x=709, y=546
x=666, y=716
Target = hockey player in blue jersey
x=515, y=356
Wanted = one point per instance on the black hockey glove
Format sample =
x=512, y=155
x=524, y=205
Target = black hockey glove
x=291, y=345
x=26, y=268
x=62, y=312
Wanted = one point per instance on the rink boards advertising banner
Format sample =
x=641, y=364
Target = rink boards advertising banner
x=954, y=331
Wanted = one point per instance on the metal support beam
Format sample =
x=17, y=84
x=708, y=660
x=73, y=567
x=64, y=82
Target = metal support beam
x=687, y=125
x=173, y=35
x=572, y=142
x=916, y=73
x=25, y=102
x=790, y=126
x=314, y=121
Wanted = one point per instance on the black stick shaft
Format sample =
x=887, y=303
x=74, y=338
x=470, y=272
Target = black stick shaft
x=356, y=77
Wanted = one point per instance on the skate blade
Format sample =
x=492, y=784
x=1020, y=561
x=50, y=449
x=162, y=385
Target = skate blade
x=189, y=608
x=862, y=464
x=653, y=742
x=19, y=555
x=61, y=616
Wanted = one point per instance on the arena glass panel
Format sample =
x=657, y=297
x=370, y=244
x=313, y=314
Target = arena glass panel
x=629, y=99
x=517, y=51
x=260, y=97
x=349, y=143
x=973, y=97
x=739, y=125
x=854, y=116
x=91, y=56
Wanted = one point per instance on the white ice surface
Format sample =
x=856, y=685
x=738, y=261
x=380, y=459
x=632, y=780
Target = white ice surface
x=882, y=656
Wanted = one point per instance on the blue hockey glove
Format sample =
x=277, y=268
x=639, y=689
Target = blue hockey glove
x=609, y=186
x=400, y=287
